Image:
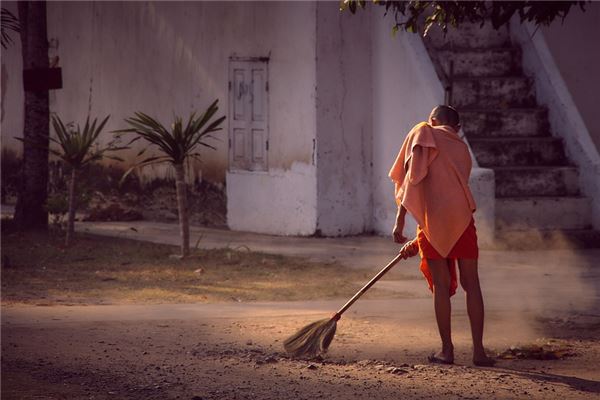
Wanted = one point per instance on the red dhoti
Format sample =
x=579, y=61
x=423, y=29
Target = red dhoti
x=465, y=247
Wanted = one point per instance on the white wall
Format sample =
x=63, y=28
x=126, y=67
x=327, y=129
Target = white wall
x=405, y=89
x=574, y=47
x=164, y=58
x=278, y=202
x=12, y=92
x=343, y=94
x=344, y=126
x=283, y=200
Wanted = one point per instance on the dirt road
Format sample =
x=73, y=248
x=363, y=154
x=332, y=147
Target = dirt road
x=233, y=351
x=534, y=300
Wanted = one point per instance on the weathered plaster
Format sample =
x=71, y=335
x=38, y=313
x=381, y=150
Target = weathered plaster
x=402, y=96
x=12, y=92
x=278, y=202
x=344, y=126
x=164, y=58
x=343, y=94
x=573, y=44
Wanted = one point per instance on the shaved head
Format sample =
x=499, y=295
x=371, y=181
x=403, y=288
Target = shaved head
x=445, y=115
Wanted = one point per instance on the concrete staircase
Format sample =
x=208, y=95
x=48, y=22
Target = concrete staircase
x=538, y=201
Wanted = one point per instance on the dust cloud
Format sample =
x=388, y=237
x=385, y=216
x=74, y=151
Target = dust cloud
x=525, y=288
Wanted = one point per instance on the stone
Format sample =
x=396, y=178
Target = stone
x=396, y=370
x=518, y=151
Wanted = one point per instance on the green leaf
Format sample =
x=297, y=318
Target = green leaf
x=114, y=158
x=352, y=6
x=76, y=146
x=177, y=143
x=207, y=145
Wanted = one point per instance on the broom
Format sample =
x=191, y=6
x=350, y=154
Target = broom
x=316, y=337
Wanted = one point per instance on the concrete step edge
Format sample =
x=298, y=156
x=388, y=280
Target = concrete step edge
x=503, y=135
x=459, y=49
x=485, y=76
x=494, y=166
x=548, y=139
x=481, y=50
x=544, y=198
x=503, y=110
x=530, y=168
x=500, y=197
x=513, y=109
x=526, y=79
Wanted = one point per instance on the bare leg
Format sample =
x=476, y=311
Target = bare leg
x=469, y=280
x=441, y=297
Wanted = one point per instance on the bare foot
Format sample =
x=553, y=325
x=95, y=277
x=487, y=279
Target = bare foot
x=484, y=361
x=441, y=358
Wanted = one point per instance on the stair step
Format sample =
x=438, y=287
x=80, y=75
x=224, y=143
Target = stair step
x=470, y=35
x=543, y=213
x=537, y=193
x=536, y=239
x=500, y=92
x=512, y=152
x=536, y=181
x=505, y=123
x=481, y=63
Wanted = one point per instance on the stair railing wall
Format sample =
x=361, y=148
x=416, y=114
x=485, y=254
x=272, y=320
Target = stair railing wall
x=565, y=119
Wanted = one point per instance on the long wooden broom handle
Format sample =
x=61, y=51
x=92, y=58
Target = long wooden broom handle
x=346, y=306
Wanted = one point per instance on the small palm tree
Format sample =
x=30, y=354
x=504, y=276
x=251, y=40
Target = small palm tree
x=176, y=146
x=78, y=148
x=9, y=23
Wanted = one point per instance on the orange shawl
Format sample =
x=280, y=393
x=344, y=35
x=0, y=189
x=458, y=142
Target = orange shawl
x=431, y=174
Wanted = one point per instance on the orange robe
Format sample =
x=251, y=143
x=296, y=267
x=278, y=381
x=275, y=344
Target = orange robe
x=431, y=175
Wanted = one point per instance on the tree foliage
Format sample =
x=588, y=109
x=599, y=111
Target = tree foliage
x=420, y=16
x=176, y=145
x=77, y=148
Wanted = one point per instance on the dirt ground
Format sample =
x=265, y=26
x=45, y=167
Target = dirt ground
x=37, y=269
x=233, y=351
x=541, y=314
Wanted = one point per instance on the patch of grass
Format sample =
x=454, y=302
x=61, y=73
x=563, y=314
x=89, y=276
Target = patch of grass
x=37, y=269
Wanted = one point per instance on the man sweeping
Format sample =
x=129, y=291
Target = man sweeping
x=431, y=176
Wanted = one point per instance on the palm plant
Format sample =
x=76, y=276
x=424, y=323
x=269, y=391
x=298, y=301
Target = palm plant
x=78, y=148
x=177, y=145
x=9, y=23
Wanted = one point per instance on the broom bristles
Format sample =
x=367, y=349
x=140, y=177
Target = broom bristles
x=311, y=340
